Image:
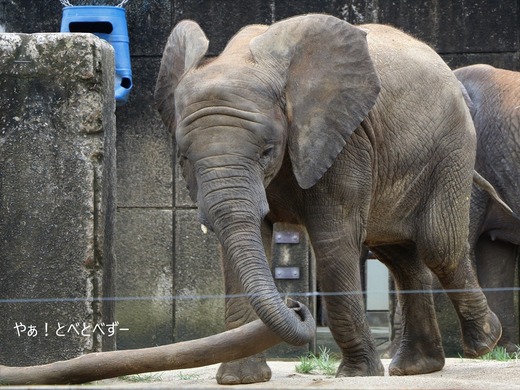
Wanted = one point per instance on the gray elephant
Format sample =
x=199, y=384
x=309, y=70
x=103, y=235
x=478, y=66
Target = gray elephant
x=493, y=96
x=359, y=133
x=495, y=107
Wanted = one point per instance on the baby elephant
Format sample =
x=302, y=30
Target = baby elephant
x=495, y=107
x=359, y=133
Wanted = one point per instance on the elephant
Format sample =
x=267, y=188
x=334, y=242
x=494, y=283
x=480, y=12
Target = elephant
x=494, y=99
x=493, y=95
x=360, y=134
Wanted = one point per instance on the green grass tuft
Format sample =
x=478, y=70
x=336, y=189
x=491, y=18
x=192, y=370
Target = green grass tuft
x=142, y=377
x=187, y=377
x=323, y=363
x=499, y=353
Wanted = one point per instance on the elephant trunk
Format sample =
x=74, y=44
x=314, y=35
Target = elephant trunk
x=237, y=225
x=243, y=248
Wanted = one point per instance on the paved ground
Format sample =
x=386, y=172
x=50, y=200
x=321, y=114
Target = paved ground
x=457, y=374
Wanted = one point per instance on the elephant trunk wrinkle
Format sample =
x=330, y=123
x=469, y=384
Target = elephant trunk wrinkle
x=233, y=201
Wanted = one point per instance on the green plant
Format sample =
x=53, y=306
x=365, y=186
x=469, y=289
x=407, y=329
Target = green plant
x=499, y=353
x=323, y=363
x=306, y=364
x=141, y=378
x=516, y=355
x=187, y=377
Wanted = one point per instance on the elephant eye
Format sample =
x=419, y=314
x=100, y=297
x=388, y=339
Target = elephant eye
x=182, y=158
x=268, y=151
x=267, y=156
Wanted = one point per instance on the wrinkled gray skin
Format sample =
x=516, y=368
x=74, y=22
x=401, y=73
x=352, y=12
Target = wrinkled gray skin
x=305, y=122
x=495, y=109
x=493, y=96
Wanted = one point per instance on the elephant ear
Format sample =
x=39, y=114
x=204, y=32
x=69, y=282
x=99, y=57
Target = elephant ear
x=330, y=86
x=184, y=49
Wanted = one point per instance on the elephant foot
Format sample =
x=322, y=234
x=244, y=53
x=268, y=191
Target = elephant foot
x=391, y=350
x=366, y=368
x=417, y=360
x=480, y=335
x=251, y=369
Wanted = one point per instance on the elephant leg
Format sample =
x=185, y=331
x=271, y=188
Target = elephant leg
x=338, y=271
x=254, y=368
x=419, y=344
x=395, y=319
x=496, y=264
x=449, y=260
x=348, y=323
x=480, y=327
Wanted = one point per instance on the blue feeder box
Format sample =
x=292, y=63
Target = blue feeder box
x=108, y=23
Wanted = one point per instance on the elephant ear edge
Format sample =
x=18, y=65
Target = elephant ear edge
x=330, y=86
x=186, y=46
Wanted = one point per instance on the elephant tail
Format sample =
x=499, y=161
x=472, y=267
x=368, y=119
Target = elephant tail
x=486, y=186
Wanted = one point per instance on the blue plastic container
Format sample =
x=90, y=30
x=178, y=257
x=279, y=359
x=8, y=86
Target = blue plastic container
x=108, y=23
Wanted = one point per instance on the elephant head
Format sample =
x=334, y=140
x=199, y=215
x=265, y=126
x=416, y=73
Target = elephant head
x=295, y=90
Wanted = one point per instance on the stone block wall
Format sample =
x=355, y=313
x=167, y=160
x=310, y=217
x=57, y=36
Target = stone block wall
x=57, y=196
x=160, y=249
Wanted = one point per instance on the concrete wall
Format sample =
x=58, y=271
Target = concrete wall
x=57, y=205
x=160, y=249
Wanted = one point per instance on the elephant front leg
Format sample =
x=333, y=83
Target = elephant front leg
x=339, y=279
x=254, y=368
x=352, y=334
x=251, y=369
x=418, y=345
x=349, y=327
x=395, y=316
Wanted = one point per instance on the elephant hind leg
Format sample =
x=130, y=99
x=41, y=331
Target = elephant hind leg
x=447, y=255
x=496, y=264
x=420, y=346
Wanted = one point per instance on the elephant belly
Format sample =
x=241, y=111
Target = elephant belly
x=384, y=234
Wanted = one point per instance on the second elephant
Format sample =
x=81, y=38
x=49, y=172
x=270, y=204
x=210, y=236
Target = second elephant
x=495, y=107
x=493, y=96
